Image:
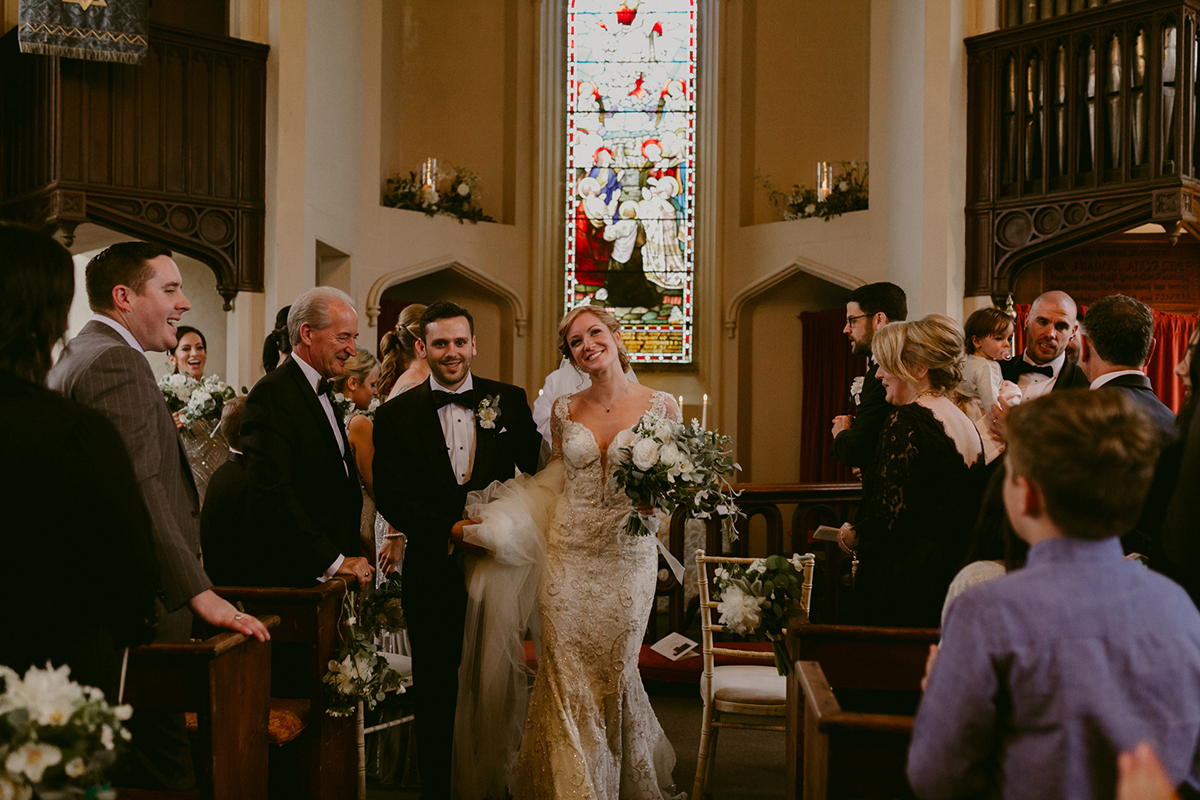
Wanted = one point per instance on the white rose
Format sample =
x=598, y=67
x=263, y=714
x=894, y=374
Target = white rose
x=200, y=397
x=669, y=454
x=645, y=454
x=759, y=566
x=664, y=429
x=625, y=438
x=429, y=196
x=463, y=190
x=843, y=186
x=810, y=208
x=740, y=612
x=178, y=380
x=487, y=417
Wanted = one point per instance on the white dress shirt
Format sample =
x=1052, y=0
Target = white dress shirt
x=1105, y=378
x=458, y=426
x=312, y=376
x=1034, y=384
x=121, y=329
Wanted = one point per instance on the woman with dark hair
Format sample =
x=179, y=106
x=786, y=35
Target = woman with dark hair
x=277, y=346
x=191, y=353
x=205, y=445
x=400, y=368
x=96, y=544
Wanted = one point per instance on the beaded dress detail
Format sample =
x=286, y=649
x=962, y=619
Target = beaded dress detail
x=591, y=732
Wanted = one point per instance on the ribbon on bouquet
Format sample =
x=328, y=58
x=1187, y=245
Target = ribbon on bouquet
x=652, y=522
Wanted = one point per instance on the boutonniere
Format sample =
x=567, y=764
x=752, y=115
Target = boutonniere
x=488, y=411
x=856, y=387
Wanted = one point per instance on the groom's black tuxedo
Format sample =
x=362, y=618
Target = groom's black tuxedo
x=304, y=504
x=416, y=491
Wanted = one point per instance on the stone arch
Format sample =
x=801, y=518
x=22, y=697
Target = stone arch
x=765, y=284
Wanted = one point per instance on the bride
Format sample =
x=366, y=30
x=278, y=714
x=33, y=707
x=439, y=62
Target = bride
x=590, y=731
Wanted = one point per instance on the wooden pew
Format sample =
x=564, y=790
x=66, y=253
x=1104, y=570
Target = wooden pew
x=225, y=680
x=872, y=670
x=321, y=762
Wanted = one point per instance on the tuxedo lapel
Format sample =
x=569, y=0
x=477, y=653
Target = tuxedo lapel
x=485, y=438
x=433, y=439
x=314, y=406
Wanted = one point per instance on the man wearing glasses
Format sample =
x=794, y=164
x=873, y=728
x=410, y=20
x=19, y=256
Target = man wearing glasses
x=856, y=435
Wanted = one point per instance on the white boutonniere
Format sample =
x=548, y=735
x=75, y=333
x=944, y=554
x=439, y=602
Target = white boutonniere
x=488, y=411
x=856, y=387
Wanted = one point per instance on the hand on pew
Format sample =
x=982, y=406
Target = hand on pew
x=218, y=612
x=933, y=651
x=358, y=568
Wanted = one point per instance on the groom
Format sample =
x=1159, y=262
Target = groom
x=433, y=444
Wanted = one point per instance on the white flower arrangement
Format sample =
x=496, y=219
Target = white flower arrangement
x=177, y=388
x=206, y=401
x=56, y=737
x=358, y=672
x=756, y=600
x=667, y=464
x=488, y=411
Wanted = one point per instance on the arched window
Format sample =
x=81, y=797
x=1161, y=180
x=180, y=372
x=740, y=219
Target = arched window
x=631, y=182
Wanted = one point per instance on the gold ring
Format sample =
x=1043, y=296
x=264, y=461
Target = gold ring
x=237, y=616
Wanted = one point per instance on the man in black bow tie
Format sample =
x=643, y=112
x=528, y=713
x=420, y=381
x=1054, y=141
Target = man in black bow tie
x=433, y=444
x=304, y=499
x=1044, y=366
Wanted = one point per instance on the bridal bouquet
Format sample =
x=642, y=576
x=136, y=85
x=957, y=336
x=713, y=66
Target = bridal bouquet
x=56, y=737
x=177, y=389
x=667, y=464
x=206, y=401
x=358, y=672
x=757, y=599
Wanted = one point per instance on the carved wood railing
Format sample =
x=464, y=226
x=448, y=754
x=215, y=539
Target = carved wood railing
x=1079, y=126
x=804, y=506
x=172, y=149
x=1023, y=12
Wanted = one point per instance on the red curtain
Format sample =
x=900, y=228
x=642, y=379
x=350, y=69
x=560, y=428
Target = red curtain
x=1171, y=334
x=827, y=368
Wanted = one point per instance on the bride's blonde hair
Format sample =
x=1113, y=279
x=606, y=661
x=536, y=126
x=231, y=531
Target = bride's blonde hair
x=606, y=319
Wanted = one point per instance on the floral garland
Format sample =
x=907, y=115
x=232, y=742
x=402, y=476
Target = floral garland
x=456, y=200
x=756, y=600
x=358, y=672
x=849, y=192
x=57, y=737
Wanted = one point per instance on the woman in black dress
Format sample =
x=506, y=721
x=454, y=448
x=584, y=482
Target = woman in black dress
x=914, y=525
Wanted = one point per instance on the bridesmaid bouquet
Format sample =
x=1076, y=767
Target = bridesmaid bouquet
x=206, y=401
x=177, y=390
x=56, y=737
x=757, y=599
x=667, y=464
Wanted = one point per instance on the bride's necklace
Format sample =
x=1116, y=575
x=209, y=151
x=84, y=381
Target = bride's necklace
x=608, y=408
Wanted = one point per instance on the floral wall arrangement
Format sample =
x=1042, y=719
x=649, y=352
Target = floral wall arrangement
x=848, y=192
x=451, y=194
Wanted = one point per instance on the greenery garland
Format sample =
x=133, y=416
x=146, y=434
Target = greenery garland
x=849, y=193
x=455, y=199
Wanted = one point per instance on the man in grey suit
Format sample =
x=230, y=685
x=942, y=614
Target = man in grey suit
x=136, y=292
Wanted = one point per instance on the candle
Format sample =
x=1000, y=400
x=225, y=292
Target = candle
x=539, y=392
x=680, y=405
x=704, y=414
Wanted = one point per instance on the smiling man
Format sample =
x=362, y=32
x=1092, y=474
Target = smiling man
x=1044, y=367
x=304, y=499
x=136, y=292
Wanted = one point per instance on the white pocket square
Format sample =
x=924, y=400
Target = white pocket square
x=503, y=430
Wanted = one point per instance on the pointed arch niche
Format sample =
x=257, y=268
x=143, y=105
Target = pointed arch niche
x=498, y=311
x=765, y=318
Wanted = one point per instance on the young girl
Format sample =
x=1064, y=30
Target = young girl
x=989, y=334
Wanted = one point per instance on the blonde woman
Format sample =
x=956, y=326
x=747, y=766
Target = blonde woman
x=914, y=526
x=358, y=384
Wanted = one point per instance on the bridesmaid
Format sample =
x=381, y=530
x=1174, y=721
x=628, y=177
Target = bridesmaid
x=359, y=384
x=206, y=448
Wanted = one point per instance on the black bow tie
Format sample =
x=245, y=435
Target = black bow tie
x=465, y=399
x=324, y=387
x=1024, y=366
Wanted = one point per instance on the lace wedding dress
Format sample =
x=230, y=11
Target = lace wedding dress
x=591, y=732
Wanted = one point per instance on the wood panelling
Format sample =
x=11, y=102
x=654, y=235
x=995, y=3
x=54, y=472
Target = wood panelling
x=172, y=149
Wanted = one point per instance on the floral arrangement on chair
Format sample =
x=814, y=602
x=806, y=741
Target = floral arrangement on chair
x=358, y=672
x=849, y=192
x=457, y=198
x=56, y=737
x=669, y=464
x=757, y=600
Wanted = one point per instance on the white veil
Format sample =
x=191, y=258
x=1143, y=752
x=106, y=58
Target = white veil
x=502, y=587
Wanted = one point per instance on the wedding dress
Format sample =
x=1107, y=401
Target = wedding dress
x=590, y=731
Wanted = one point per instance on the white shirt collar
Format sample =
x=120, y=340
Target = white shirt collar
x=121, y=329
x=1054, y=365
x=1108, y=376
x=310, y=373
x=466, y=386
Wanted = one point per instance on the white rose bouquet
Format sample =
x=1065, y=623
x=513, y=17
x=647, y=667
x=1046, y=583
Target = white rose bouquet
x=667, y=464
x=205, y=402
x=56, y=737
x=756, y=600
x=358, y=672
x=177, y=389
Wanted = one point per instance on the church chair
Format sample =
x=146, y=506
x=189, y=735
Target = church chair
x=849, y=754
x=736, y=690
x=223, y=684
x=314, y=754
x=403, y=665
x=874, y=671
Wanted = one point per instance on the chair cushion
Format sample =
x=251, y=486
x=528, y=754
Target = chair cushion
x=288, y=719
x=750, y=685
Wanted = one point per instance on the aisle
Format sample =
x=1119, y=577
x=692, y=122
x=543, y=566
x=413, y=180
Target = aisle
x=749, y=763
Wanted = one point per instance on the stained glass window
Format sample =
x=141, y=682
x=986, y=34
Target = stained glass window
x=631, y=144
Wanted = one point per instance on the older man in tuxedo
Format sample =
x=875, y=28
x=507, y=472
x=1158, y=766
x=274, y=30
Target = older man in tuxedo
x=304, y=500
x=136, y=292
x=431, y=449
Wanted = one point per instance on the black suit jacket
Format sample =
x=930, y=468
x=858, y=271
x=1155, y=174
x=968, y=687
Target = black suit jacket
x=415, y=487
x=1138, y=389
x=76, y=538
x=1069, y=377
x=303, y=502
x=856, y=446
x=224, y=534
